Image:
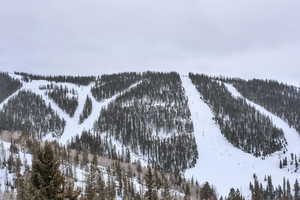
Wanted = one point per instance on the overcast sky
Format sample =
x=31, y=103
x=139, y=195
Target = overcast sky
x=245, y=38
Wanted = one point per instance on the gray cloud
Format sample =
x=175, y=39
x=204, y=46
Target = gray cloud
x=247, y=38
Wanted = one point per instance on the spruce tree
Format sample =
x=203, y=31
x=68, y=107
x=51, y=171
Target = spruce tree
x=91, y=180
x=46, y=179
x=207, y=192
x=297, y=190
x=235, y=195
x=151, y=193
x=166, y=190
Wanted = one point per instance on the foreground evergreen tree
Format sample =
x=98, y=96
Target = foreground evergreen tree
x=46, y=179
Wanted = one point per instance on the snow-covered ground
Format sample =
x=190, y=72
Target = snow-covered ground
x=5, y=176
x=220, y=163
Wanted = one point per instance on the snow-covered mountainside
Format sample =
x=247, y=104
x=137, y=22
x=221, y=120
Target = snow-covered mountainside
x=219, y=161
x=200, y=126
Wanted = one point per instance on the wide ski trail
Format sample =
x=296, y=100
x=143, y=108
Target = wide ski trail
x=220, y=163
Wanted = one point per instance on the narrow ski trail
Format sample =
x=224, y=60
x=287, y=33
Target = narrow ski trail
x=75, y=128
x=219, y=162
x=34, y=86
x=291, y=135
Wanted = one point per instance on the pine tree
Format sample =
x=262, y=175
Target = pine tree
x=270, y=189
x=288, y=190
x=297, y=190
x=235, y=195
x=166, y=190
x=207, y=192
x=91, y=178
x=257, y=193
x=100, y=187
x=151, y=193
x=46, y=179
x=187, y=192
x=23, y=188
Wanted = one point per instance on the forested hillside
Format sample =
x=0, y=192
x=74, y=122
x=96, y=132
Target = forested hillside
x=279, y=98
x=28, y=112
x=8, y=85
x=66, y=99
x=175, y=124
x=239, y=122
x=152, y=119
x=79, y=80
x=108, y=85
x=87, y=110
x=29, y=169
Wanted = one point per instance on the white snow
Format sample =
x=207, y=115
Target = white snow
x=5, y=176
x=220, y=163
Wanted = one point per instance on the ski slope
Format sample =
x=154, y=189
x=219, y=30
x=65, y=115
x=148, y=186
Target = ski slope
x=72, y=127
x=220, y=163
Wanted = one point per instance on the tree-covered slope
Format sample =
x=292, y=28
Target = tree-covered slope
x=87, y=110
x=65, y=98
x=108, y=85
x=28, y=112
x=153, y=119
x=78, y=80
x=281, y=99
x=240, y=123
x=8, y=85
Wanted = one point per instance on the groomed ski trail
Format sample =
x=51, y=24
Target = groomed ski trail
x=74, y=128
x=219, y=162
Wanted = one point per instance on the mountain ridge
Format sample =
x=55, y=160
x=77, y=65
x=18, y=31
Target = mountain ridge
x=161, y=101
